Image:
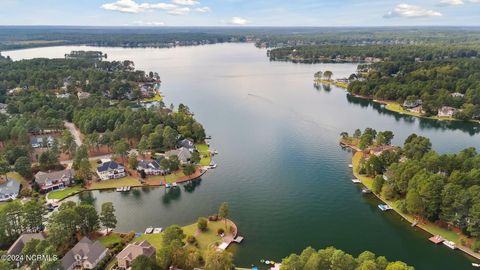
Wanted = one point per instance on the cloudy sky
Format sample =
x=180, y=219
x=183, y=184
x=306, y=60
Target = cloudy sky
x=240, y=12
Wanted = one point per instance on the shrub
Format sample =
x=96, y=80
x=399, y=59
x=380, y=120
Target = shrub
x=191, y=239
x=213, y=218
x=476, y=246
x=202, y=224
x=220, y=231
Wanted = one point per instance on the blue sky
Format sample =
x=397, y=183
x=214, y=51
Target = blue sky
x=240, y=12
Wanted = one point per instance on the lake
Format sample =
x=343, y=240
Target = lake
x=279, y=165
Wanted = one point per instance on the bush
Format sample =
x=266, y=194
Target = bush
x=220, y=231
x=476, y=246
x=191, y=239
x=213, y=218
x=202, y=224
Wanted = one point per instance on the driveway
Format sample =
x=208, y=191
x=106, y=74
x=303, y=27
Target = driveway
x=75, y=132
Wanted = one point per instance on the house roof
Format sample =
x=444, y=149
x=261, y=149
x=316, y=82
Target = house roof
x=9, y=187
x=17, y=246
x=149, y=164
x=85, y=248
x=186, y=143
x=109, y=166
x=134, y=250
x=182, y=153
x=43, y=177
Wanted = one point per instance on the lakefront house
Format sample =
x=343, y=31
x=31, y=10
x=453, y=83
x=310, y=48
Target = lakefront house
x=132, y=251
x=150, y=167
x=184, y=155
x=446, y=111
x=48, y=181
x=110, y=169
x=84, y=255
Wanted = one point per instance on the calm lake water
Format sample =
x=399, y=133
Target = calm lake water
x=280, y=167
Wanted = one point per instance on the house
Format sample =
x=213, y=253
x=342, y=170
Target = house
x=183, y=154
x=83, y=95
x=418, y=109
x=110, y=170
x=17, y=247
x=9, y=189
x=41, y=142
x=187, y=144
x=84, y=255
x=456, y=94
x=132, y=251
x=63, y=95
x=446, y=111
x=378, y=150
x=48, y=181
x=150, y=167
x=409, y=104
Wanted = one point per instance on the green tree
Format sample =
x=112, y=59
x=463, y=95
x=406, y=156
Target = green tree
x=328, y=74
x=88, y=217
x=188, y=169
x=169, y=137
x=378, y=184
x=223, y=212
x=33, y=212
x=219, y=260
x=172, y=233
x=121, y=148
x=143, y=262
x=24, y=167
x=202, y=224
x=133, y=161
x=195, y=159
x=107, y=216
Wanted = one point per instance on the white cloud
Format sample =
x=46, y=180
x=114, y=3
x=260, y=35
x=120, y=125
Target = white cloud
x=186, y=2
x=451, y=3
x=179, y=11
x=203, y=9
x=411, y=11
x=149, y=23
x=238, y=21
x=130, y=6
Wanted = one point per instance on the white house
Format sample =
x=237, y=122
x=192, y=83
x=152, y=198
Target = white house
x=110, y=170
x=446, y=111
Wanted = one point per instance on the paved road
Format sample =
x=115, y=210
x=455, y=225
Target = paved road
x=76, y=134
x=70, y=161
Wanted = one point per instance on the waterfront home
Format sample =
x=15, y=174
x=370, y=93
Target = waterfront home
x=187, y=144
x=150, y=167
x=84, y=255
x=183, y=154
x=446, y=111
x=132, y=251
x=418, y=109
x=410, y=104
x=378, y=150
x=48, y=181
x=110, y=170
x=17, y=247
x=41, y=142
x=9, y=189
x=63, y=95
x=83, y=95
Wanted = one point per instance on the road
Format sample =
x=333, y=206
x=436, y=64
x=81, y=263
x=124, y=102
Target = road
x=76, y=134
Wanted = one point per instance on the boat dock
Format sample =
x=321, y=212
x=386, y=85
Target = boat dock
x=123, y=189
x=384, y=207
x=436, y=239
x=356, y=181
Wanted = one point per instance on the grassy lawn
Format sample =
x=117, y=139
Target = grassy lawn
x=109, y=240
x=203, y=149
x=396, y=107
x=63, y=193
x=170, y=178
x=114, y=183
x=157, y=97
x=204, y=239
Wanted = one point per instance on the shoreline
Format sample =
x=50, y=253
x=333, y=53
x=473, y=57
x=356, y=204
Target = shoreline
x=407, y=218
x=192, y=178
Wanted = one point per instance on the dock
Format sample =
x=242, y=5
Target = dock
x=149, y=230
x=384, y=207
x=356, y=181
x=436, y=239
x=238, y=239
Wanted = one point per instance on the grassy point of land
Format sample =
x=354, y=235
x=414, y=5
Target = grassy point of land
x=63, y=193
x=115, y=183
x=339, y=84
x=110, y=240
x=205, y=239
x=204, y=151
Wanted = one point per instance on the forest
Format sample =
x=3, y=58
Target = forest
x=438, y=187
x=333, y=259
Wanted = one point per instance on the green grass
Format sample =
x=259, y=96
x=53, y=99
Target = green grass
x=114, y=183
x=170, y=178
x=205, y=239
x=109, y=240
x=397, y=107
x=63, y=193
x=157, y=97
x=204, y=150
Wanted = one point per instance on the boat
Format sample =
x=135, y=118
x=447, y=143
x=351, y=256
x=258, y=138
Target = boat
x=350, y=165
x=127, y=188
x=157, y=230
x=174, y=184
x=384, y=207
x=450, y=244
x=366, y=191
x=213, y=165
x=356, y=181
x=168, y=185
x=476, y=265
x=119, y=189
x=149, y=230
